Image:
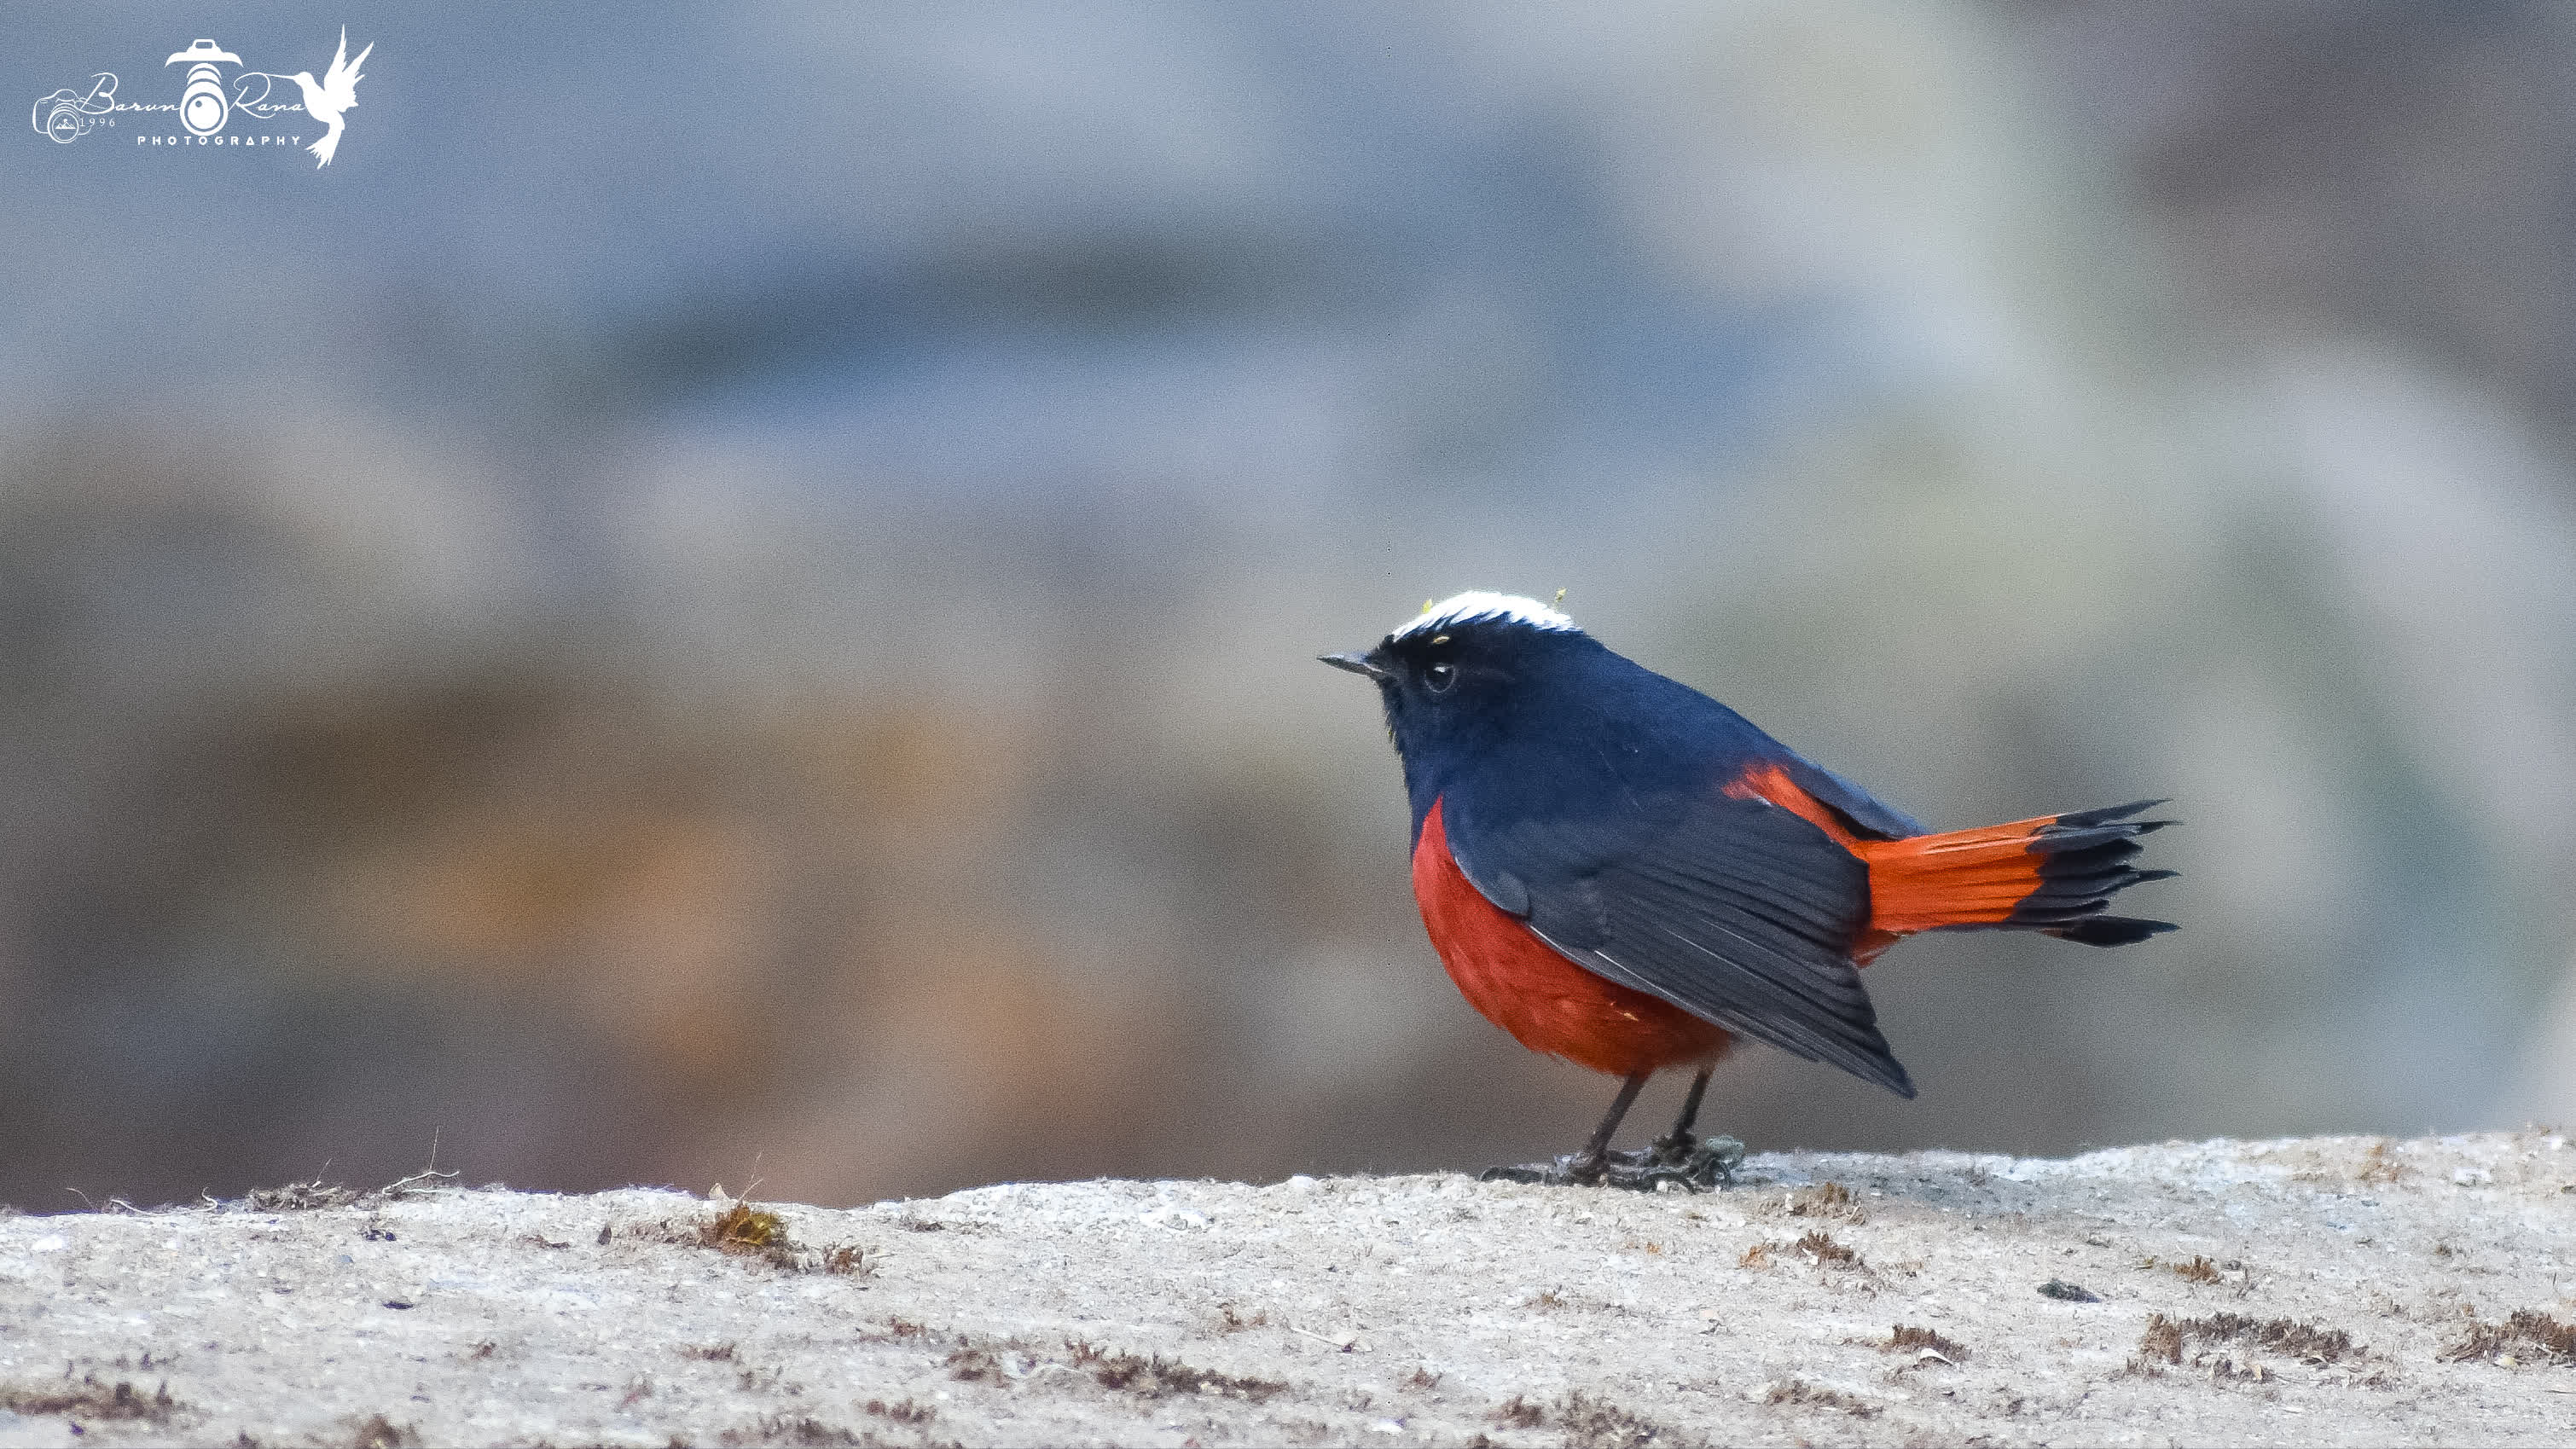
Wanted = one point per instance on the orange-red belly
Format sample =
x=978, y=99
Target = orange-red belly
x=1548, y=1004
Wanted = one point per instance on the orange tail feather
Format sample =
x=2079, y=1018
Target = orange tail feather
x=1964, y=878
x=2050, y=873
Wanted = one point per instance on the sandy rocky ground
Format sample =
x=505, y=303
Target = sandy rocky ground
x=2344, y=1290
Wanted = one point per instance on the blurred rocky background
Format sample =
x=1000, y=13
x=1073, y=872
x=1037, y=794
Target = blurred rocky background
x=730, y=594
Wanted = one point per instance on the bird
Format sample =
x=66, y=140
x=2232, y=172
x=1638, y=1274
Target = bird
x=337, y=92
x=1620, y=871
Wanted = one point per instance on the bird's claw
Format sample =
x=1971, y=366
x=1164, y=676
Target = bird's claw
x=1699, y=1165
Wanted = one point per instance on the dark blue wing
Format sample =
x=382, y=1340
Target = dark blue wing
x=1858, y=808
x=1736, y=911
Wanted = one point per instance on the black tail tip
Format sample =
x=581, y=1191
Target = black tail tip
x=2111, y=930
x=2109, y=813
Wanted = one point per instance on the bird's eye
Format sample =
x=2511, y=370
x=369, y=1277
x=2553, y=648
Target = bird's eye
x=1439, y=677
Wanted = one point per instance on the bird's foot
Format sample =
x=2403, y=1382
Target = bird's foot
x=1689, y=1165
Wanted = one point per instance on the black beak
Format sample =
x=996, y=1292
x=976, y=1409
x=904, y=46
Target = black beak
x=1358, y=664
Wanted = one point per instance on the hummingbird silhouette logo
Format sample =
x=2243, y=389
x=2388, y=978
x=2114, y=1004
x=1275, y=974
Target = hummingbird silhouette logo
x=336, y=93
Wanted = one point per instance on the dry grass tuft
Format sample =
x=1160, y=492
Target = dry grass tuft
x=1519, y=1413
x=1826, y=1200
x=756, y=1232
x=801, y=1429
x=1824, y=1252
x=743, y=1228
x=1909, y=1338
x=2378, y=1166
x=2528, y=1333
x=90, y=1399
x=2198, y=1270
x=1805, y=1394
x=297, y=1197
x=2167, y=1339
x=379, y=1432
x=1157, y=1376
x=1592, y=1423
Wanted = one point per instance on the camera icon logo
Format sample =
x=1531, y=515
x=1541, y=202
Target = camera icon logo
x=67, y=114
x=203, y=106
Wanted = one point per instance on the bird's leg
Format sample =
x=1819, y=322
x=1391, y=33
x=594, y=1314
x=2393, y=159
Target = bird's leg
x=1587, y=1165
x=1681, y=1156
x=1678, y=1158
x=1678, y=1143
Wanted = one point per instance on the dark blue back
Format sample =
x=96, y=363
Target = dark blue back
x=1574, y=732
